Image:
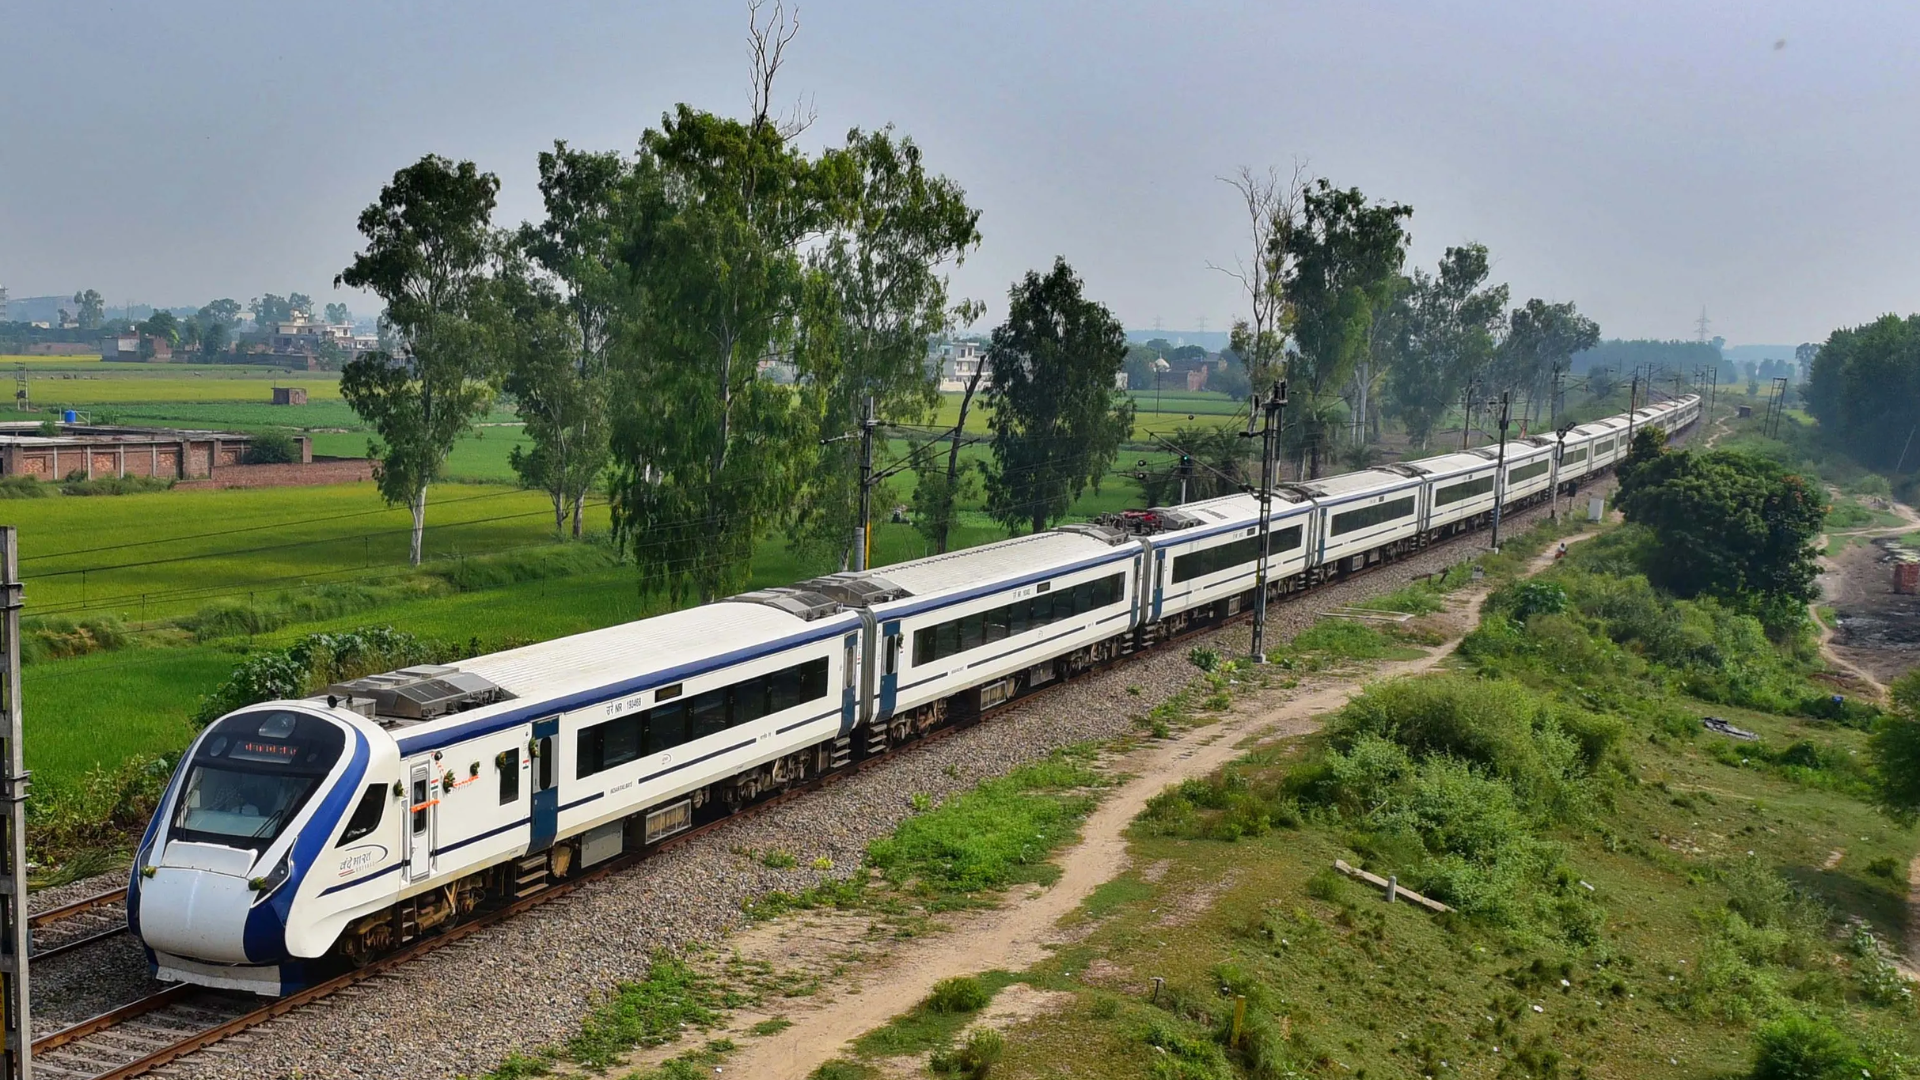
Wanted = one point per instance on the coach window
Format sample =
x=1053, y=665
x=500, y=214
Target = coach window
x=997, y=622
x=666, y=727
x=892, y=655
x=750, y=700
x=508, y=762
x=366, y=816
x=1020, y=618
x=706, y=714
x=973, y=630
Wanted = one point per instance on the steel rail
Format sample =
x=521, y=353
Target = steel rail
x=77, y=907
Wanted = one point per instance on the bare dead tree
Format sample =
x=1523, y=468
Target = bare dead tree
x=1271, y=204
x=768, y=35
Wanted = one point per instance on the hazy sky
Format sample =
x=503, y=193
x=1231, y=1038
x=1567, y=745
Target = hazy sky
x=1639, y=158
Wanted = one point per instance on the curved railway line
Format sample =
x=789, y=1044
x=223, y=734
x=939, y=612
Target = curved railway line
x=174, y=1022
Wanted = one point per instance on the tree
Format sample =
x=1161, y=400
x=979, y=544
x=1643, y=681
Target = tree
x=92, y=309
x=564, y=414
x=878, y=294
x=1896, y=751
x=1337, y=261
x=1865, y=389
x=1539, y=347
x=1728, y=525
x=268, y=310
x=338, y=315
x=1258, y=339
x=575, y=246
x=429, y=248
x=937, y=494
x=1213, y=460
x=707, y=454
x=1447, y=323
x=1057, y=421
x=158, y=327
x=300, y=306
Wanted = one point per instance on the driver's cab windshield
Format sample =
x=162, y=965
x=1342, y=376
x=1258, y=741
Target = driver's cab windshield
x=252, y=774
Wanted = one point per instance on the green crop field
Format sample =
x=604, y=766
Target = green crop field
x=1173, y=411
x=163, y=555
x=50, y=361
x=478, y=456
x=56, y=390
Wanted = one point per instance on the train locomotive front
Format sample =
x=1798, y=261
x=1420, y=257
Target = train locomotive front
x=222, y=891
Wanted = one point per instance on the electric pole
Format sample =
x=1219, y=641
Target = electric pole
x=1633, y=404
x=1466, y=405
x=1500, y=469
x=864, y=526
x=1271, y=412
x=17, y=1029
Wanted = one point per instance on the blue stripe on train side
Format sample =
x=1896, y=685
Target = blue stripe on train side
x=433, y=740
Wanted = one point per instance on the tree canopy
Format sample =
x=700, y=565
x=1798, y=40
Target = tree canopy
x=1057, y=420
x=429, y=251
x=1864, y=388
x=1725, y=524
x=1339, y=259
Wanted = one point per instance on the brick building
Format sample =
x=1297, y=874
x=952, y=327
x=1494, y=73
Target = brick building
x=101, y=451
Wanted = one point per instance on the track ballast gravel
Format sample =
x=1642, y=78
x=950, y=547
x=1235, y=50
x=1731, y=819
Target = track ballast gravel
x=528, y=983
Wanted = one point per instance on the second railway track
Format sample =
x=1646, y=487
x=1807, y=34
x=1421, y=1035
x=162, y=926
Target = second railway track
x=75, y=925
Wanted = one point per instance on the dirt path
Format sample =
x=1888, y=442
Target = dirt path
x=1017, y=935
x=1910, y=521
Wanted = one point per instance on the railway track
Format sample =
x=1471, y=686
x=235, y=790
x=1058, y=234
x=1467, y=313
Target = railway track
x=143, y=1035
x=76, y=925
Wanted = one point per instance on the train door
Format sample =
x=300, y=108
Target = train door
x=850, y=682
x=422, y=809
x=891, y=644
x=545, y=807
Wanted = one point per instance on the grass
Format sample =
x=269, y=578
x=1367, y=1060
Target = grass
x=999, y=834
x=164, y=555
x=1637, y=897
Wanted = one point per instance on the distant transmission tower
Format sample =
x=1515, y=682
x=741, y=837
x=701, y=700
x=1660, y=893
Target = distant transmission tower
x=1202, y=320
x=3, y=303
x=1701, y=325
x=1156, y=324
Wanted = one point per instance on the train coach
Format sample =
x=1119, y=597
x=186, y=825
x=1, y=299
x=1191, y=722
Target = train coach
x=301, y=836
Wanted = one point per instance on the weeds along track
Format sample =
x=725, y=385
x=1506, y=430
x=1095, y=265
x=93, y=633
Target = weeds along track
x=145, y=1034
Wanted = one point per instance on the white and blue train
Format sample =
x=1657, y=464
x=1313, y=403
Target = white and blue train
x=301, y=836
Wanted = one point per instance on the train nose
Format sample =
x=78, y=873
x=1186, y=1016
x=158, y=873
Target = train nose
x=198, y=904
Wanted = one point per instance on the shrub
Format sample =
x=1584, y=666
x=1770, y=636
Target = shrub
x=316, y=661
x=1885, y=866
x=973, y=1059
x=1203, y=657
x=23, y=487
x=1530, y=598
x=960, y=994
x=53, y=637
x=114, y=485
x=272, y=448
x=1799, y=1048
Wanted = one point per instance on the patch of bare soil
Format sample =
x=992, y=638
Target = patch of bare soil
x=1879, y=629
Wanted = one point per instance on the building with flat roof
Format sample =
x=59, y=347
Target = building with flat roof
x=100, y=450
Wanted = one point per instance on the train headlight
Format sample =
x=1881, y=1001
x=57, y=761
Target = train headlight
x=263, y=886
